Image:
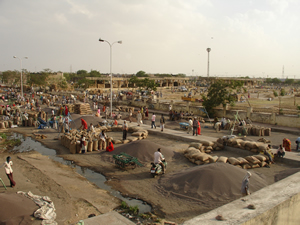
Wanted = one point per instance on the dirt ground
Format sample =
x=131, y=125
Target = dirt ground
x=74, y=200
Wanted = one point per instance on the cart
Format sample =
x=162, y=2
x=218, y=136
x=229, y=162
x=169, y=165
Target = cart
x=184, y=125
x=124, y=160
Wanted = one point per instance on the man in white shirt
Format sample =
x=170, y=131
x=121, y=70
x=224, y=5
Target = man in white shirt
x=158, y=158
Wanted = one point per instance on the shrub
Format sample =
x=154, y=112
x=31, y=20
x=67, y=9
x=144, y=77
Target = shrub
x=282, y=92
x=275, y=93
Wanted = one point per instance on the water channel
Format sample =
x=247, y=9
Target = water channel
x=28, y=144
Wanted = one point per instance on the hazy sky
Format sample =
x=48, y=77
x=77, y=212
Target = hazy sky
x=246, y=37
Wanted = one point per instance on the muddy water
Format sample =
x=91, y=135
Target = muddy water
x=28, y=144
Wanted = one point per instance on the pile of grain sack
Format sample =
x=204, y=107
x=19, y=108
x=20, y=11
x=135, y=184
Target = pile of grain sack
x=248, y=129
x=72, y=140
x=198, y=153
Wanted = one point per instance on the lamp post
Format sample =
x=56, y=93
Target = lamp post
x=208, y=50
x=111, y=84
x=15, y=57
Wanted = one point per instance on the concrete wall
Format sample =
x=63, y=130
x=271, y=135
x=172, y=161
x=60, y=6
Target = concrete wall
x=270, y=118
x=276, y=204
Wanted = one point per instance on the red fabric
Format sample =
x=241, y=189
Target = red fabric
x=103, y=108
x=116, y=122
x=110, y=147
x=66, y=111
x=287, y=144
x=84, y=124
x=199, y=128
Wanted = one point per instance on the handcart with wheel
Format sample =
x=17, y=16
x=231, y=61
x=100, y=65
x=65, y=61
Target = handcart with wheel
x=124, y=160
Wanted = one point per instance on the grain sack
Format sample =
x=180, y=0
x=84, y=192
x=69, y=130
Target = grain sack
x=78, y=147
x=6, y=124
x=188, y=150
x=208, y=151
x=192, y=160
x=220, y=140
x=260, y=157
x=243, y=143
x=239, y=166
x=242, y=160
x=234, y=141
x=237, y=146
x=222, y=159
x=202, y=149
x=207, y=143
x=233, y=161
x=125, y=141
x=215, y=145
x=95, y=145
x=250, y=145
x=30, y=122
x=257, y=131
x=204, y=157
x=247, y=148
x=246, y=166
x=254, y=150
x=262, y=148
x=263, y=164
x=267, y=132
x=140, y=138
x=213, y=159
x=137, y=134
x=90, y=146
x=10, y=123
x=195, y=145
x=198, y=162
x=220, y=145
x=209, y=148
x=252, y=160
x=218, y=149
x=255, y=166
x=131, y=139
x=197, y=156
x=72, y=147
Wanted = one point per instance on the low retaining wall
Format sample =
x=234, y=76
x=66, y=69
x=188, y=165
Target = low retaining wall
x=276, y=204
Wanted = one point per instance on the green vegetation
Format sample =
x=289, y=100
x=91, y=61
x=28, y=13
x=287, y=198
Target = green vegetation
x=3, y=136
x=145, y=83
x=275, y=93
x=273, y=81
x=289, y=81
x=142, y=74
x=282, y=92
x=124, y=205
x=220, y=93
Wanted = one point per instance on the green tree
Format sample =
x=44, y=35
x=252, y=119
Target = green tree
x=94, y=73
x=220, y=93
x=37, y=78
x=181, y=75
x=282, y=92
x=142, y=74
x=84, y=83
x=82, y=73
x=10, y=76
x=276, y=81
x=145, y=83
x=289, y=81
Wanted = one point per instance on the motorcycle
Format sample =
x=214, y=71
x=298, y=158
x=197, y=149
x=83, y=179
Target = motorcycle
x=156, y=169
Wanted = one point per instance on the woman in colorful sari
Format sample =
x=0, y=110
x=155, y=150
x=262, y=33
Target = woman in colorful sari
x=287, y=145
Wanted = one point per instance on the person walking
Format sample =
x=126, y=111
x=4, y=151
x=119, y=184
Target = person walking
x=287, y=144
x=245, y=185
x=125, y=129
x=153, y=121
x=190, y=127
x=195, y=126
x=139, y=118
x=199, y=128
x=83, y=144
x=9, y=171
x=162, y=122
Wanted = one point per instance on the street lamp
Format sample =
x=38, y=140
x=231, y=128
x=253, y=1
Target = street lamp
x=208, y=50
x=15, y=57
x=111, y=84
